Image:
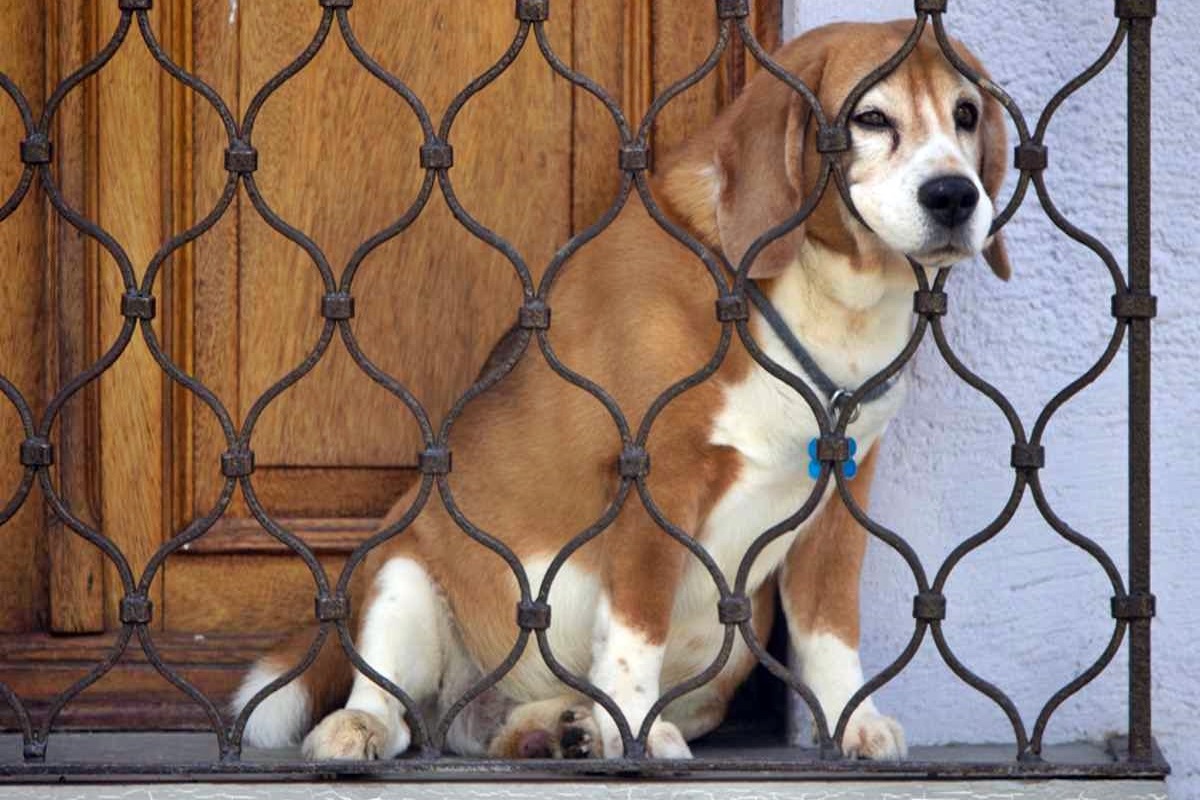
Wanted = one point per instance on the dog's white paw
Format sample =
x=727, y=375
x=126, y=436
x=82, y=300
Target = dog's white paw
x=664, y=741
x=870, y=734
x=354, y=736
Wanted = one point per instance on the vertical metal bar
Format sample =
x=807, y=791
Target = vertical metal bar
x=1139, y=383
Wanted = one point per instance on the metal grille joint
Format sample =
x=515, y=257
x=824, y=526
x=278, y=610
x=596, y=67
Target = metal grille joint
x=1135, y=605
x=136, y=609
x=37, y=452
x=533, y=615
x=337, y=306
x=332, y=608
x=237, y=463
x=37, y=149
x=534, y=315
x=634, y=462
x=435, y=461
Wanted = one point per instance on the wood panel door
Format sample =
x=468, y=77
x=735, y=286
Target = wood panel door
x=137, y=455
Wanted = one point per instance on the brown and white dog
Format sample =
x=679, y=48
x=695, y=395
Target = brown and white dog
x=534, y=457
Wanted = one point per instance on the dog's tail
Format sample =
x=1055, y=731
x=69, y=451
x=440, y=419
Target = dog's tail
x=285, y=716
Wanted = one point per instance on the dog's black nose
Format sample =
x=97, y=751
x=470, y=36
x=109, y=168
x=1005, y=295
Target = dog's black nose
x=950, y=200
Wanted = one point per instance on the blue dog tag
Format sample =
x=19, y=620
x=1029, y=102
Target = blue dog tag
x=849, y=467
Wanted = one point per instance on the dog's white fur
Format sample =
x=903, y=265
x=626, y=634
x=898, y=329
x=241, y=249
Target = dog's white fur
x=279, y=720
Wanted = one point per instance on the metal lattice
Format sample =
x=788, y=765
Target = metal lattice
x=1133, y=307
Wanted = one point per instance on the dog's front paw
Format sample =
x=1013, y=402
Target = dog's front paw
x=579, y=735
x=870, y=734
x=353, y=736
x=664, y=741
x=548, y=729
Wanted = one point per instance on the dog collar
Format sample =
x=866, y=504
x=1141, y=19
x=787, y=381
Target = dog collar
x=837, y=395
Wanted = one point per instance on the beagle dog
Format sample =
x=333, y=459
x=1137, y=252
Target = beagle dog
x=535, y=457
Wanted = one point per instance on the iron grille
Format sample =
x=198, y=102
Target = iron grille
x=1133, y=307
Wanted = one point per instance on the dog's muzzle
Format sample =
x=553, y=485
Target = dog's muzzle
x=950, y=200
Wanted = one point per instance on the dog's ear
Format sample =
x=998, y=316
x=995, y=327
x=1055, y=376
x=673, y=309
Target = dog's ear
x=760, y=164
x=994, y=156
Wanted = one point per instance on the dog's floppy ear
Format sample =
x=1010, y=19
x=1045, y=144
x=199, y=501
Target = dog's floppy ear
x=760, y=165
x=994, y=155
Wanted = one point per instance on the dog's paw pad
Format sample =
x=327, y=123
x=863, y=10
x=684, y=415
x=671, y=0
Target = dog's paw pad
x=579, y=737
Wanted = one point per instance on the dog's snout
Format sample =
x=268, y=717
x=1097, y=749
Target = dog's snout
x=950, y=199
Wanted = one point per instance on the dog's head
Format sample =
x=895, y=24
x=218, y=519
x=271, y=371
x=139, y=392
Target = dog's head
x=928, y=155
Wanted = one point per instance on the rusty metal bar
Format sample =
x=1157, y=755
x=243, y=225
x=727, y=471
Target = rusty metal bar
x=1140, y=18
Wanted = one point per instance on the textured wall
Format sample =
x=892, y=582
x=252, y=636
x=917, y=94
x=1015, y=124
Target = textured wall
x=1028, y=611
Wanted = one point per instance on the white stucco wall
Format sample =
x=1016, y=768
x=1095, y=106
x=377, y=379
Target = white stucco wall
x=1029, y=611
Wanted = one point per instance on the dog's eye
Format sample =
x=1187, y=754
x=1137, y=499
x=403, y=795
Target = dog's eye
x=966, y=116
x=873, y=119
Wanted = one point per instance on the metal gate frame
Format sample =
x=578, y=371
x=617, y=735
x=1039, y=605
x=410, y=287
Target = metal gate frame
x=1133, y=307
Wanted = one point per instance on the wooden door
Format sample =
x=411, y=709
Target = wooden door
x=137, y=455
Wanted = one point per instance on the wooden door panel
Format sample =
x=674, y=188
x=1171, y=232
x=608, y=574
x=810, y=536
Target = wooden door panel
x=22, y=254
x=133, y=695
x=130, y=142
x=213, y=595
x=137, y=455
x=339, y=161
x=75, y=568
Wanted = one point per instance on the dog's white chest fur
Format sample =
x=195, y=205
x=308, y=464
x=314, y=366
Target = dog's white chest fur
x=771, y=425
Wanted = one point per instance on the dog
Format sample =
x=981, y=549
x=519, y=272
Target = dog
x=535, y=457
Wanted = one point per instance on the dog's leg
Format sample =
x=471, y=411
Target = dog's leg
x=820, y=588
x=702, y=711
x=627, y=665
x=644, y=568
x=403, y=636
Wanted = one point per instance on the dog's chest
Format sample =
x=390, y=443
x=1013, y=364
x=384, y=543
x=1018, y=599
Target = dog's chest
x=771, y=426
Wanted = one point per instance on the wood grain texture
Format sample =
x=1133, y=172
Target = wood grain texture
x=739, y=64
x=684, y=34
x=177, y=284
x=211, y=299
x=134, y=695
x=245, y=536
x=768, y=24
x=129, y=174
x=76, y=568
x=338, y=160
x=243, y=593
x=22, y=253
x=332, y=493
x=637, y=59
x=228, y=649
x=595, y=175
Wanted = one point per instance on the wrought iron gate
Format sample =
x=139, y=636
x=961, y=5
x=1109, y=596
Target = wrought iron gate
x=1133, y=307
